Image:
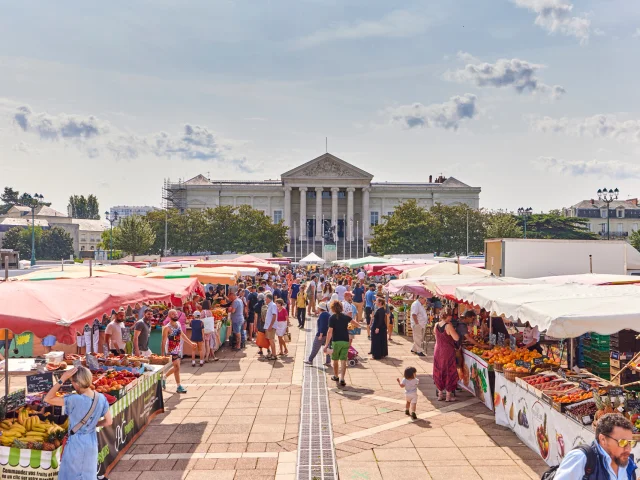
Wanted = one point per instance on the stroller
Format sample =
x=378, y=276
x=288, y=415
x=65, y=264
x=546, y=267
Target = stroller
x=352, y=357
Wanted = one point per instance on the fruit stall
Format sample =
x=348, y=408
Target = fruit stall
x=553, y=409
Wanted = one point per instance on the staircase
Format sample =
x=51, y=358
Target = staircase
x=344, y=250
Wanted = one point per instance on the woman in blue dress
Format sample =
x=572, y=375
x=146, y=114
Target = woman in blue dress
x=80, y=455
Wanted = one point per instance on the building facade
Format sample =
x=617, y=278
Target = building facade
x=86, y=234
x=123, y=211
x=622, y=216
x=323, y=195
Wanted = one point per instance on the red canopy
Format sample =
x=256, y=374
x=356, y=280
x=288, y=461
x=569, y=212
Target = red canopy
x=59, y=308
x=262, y=267
x=395, y=269
x=249, y=259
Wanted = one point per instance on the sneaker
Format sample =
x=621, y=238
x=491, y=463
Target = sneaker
x=260, y=352
x=420, y=354
x=335, y=379
x=181, y=389
x=343, y=383
x=414, y=416
x=406, y=412
x=414, y=352
x=307, y=362
x=193, y=363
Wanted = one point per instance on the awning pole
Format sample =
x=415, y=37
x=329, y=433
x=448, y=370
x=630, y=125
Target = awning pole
x=571, y=351
x=6, y=366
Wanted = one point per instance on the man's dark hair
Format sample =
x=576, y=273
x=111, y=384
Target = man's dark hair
x=372, y=285
x=339, y=282
x=469, y=314
x=261, y=289
x=609, y=421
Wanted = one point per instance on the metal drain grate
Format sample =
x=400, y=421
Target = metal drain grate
x=316, y=456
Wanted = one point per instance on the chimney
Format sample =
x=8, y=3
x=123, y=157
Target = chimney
x=593, y=202
x=430, y=178
x=633, y=201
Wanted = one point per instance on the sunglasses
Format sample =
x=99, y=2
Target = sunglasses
x=623, y=443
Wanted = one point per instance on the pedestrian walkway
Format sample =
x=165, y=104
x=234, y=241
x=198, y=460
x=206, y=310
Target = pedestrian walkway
x=316, y=457
x=245, y=418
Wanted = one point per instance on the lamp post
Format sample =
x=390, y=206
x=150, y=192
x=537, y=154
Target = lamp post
x=32, y=202
x=524, y=213
x=608, y=196
x=111, y=219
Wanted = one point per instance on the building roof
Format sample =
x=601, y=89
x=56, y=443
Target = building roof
x=20, y=208
x=454, y=182
x=327, y=165
x=198, y=180
x=89, y=225
x=45, y=211
x=22, y=222
x=597, y=204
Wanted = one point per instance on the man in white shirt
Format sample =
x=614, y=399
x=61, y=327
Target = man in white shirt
x=361, y=276
x=340, y=289
x=419, y=321
x=270, y=324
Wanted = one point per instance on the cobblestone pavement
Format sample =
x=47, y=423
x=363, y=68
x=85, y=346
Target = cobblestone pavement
x=240, y=420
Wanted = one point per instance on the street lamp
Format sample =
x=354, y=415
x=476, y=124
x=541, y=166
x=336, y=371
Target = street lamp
x=32, y=202
x=608, y=196
x=111, y=219
x=524, y=213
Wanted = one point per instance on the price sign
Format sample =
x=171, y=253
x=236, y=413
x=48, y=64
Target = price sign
x=562, y=373
x=633, y=405
x=512, y=342
x=616, y=391
x=538, y=361
x=92, y=363
x=15, y=400
x=586, y=420
x=585, y=386
x=77, y=363
x=501, y=339
x=39, y=383
x=615, y=355
x=492, y=339
x=520, y=363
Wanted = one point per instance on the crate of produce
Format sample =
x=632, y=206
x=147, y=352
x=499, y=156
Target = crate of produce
x=599, y=356
x=582, y=412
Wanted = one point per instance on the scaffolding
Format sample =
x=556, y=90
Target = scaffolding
x=174, y=195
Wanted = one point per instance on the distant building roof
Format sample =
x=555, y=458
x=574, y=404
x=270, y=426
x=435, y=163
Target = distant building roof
x=22, y=222
x=198, y=180
x=631, y=203
x=45, y=211
x=89, y=225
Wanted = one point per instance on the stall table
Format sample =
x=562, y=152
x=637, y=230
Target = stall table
x=478, y=378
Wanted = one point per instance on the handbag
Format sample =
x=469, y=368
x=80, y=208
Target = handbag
x=76, y=428
x=262, y=341
x=287, y=337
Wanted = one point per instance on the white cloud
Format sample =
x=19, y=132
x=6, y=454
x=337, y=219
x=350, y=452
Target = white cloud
x=555, y=16
x=516, y=73
x=596, y=126
x=447, y=115
x=601, y=168
x=636, y=34
x=97, y=137
x=398, y=24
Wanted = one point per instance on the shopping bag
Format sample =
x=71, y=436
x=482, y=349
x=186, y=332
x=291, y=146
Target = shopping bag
x=261, y=340
x=287, y=337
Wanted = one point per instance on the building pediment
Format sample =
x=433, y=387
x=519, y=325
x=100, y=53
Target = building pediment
x=326, y=166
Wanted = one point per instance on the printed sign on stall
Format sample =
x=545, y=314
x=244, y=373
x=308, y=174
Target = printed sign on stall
x=475, y=378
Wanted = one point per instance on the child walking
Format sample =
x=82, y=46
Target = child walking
x=197, y=337
x=410, y=385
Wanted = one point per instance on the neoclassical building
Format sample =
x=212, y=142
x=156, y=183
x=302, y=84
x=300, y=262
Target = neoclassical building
x=319, y=194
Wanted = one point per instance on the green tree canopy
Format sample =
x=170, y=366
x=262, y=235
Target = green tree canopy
x=502, y=225
x=556, y=226
x=133, y=235
x=452, y=221
x=9, y=198
x=19, y=239
x=634, y=239
x=82, y=207
x=55, y=244
x=256, y=232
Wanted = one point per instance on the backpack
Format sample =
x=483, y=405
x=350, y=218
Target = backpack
x=263, y=312
x=588, y=468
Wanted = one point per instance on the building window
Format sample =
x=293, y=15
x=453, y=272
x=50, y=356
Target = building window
x=634, y=227
x=83, y=239
x=589, y=226
x=603, y=227
x=311, y=194
x=82, y=248
x=326, y=194
x=620, y=213
x=375, y=218
x=620, y=227
x=603, y=213
x=91, y=247
x=277, y=216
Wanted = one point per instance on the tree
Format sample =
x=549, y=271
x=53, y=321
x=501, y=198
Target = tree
x=409, y=229
x=556, y=226
x=55, y=243
x=19, y=239
x=9, y=198
x=634, y=239
x=192, y=229
x=452, y=228
x=502, y=225
x=156, y=219
x=256, y=233
x=133, y=235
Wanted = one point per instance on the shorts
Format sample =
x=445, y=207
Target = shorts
x=81, y=342
x=175, y=357
x=48, y=341
x=412, y=398
x=237, y=327
x=270, y=334
x=311, y=299
x=340, y=350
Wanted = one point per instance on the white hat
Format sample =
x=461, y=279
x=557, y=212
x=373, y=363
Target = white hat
x=322, y=306
x=196, y=314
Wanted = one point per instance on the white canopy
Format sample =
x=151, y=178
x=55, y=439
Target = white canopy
x=444, y=268
x=564, y=311
x=312, y=259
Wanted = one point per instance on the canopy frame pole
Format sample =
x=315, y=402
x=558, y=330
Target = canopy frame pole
x=6, y=366
x=590, y=263
x=571, y=349
x=633, y=360
x=90, y=268
x=62, y=264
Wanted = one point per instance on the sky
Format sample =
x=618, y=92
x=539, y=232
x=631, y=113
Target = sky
x=534, y=101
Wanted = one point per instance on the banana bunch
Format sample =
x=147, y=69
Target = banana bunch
x=13, y=432
x=29, y=429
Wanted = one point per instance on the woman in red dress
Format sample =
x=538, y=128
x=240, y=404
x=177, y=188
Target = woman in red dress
x=445, y=372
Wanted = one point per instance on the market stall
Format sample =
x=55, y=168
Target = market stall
x=312, y=259
x=543, y=404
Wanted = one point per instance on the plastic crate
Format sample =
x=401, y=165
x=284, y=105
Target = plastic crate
x=600, y=365
x=599, y=343
x=598, y=356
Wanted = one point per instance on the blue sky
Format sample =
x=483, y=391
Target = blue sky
x=535, y=101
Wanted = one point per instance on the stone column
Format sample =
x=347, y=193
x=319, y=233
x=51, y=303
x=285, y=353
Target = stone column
x=350, y=222
x=334, y=207
x=319, y=231
x=303, y=213
x=366, y=215
x=287, y=209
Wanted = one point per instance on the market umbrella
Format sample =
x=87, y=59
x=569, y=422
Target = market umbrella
x=359, y=262
x=249, y=259
x=445, y=285
x=60, y=308
x=312, y=259
x=262, y=267
x=399, y=268
x=445, y=268
x=411, y=285
x=79, y=271
x=204, y=275
x=591, y=279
